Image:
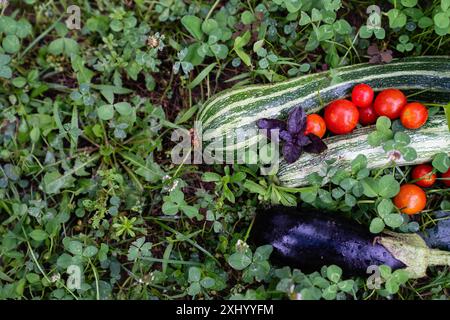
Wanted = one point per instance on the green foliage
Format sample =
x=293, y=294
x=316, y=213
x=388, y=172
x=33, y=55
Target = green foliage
x=404, y=44
x=269, y=191
x=441, y=162
x=174, y=203
x=356, y=190
x=228, y=185
x=86, y=179
x=127, y=46
x=395, y=143
x=201, y=281
x=391, y=280
x=255, y=266
x=327, y=284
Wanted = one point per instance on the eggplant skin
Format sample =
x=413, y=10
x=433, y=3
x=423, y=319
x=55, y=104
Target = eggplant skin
x=439, y=235
x=309, y=239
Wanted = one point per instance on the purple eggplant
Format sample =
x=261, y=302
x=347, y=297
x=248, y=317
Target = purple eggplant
x=308, y=239
x=439, y=235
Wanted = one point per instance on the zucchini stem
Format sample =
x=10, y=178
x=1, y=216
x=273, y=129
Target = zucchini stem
x=438, y=258
x=412, y=250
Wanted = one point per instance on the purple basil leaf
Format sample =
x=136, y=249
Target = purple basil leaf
x=386, y=56
x=291, y=152
x=273, y=135
x=373, y=50
x=375, y=59
x=303, y=140
x=271, y=124
x=297, y=121
x=286, y=136
x=316, y=146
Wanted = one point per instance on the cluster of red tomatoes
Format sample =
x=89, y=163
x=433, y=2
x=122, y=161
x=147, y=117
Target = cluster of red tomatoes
x=342, y=116
x=412, y=199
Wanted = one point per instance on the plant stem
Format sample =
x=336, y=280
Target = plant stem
x=438, y=258
x=97, y=288
x=212, y=9
x=41, y=36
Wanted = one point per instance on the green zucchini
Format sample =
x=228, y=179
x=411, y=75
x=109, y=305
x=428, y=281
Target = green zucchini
x=428, y=78
x=429, y=140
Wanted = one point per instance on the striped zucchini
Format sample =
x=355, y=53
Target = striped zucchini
x=432, y=138
x=427, y=77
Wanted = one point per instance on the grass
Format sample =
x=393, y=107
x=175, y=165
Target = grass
x=86, y=177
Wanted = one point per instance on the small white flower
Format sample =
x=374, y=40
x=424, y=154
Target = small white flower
x=297, y=296
x=55, y=277
x=241, y=246
x=174, y=185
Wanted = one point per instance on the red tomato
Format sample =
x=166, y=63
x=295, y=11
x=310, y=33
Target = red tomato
x=367, y=116
x=315, y=125
x=414, y=115
x=390, y=103
x=446, y=176
x=362, y=95
x=341, y=117
x=424, y=172
x=411, y=199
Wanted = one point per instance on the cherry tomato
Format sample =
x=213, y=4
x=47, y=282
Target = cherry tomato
x=390, y=103
x=446, y=176
x=424, y=172
x=362, y=95
x=367, y=116
x=341, y=117
x=411, y=199
x=414, y=115
x=315, y=125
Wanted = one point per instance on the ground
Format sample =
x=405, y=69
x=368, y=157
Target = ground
x=91, y=205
